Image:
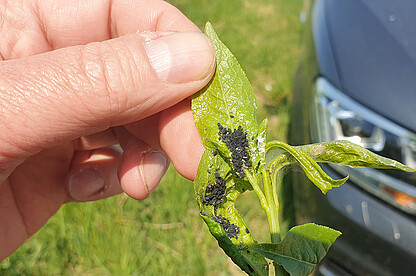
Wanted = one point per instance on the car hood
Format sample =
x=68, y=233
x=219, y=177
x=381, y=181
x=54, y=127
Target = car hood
x=373, y=44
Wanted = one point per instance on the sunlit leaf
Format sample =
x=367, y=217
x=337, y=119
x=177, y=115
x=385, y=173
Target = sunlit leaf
x=228, y=100
x=233, y=240
x=350, y=154
x=312, y=170
x=228, y=104
x=302, y=248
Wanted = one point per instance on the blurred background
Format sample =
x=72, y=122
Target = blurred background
x=164, y=235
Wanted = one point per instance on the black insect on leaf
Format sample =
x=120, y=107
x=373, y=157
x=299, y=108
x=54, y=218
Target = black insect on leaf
x=214, y=192
x=221, y=216
x=228, y=103
x=237, y=143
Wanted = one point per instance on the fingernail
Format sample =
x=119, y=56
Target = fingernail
x=181, y=57
x=152, y=168
x=85, y=183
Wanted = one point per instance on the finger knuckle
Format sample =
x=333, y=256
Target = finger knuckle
x=109, y=72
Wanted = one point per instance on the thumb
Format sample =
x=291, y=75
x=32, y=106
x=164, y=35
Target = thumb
x=64, y=94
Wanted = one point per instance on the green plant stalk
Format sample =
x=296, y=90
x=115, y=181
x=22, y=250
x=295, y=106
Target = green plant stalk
x=276, y=172
x=270, y=204
x=252, y=178
x=273, y=216
x=273, y=207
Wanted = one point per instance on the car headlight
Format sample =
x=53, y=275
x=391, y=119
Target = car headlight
x=335, y=116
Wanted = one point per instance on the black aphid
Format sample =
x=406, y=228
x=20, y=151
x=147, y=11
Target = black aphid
x=208, y=171
x=237, y=142
x=247, y=231
x=231, y=116
x=230, y=229
x=214, y=152
x=214, y=193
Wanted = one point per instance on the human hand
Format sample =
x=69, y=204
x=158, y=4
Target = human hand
x=75, y=79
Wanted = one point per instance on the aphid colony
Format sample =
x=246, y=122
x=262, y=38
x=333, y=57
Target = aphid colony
x=230, y=229
x=214, y=195
x=236, y=142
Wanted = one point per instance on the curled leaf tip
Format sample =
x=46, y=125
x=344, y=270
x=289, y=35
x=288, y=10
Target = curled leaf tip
x=335, y=183
x=339, y=182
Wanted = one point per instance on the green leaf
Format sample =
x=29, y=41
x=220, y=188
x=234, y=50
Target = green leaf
x=337, y=152
x=302, y=248
x=235, y=246
x=350, y=154
x=229, y=100
x=312, y=170
x=226, y=244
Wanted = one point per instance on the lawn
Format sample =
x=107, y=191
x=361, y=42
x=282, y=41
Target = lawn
x=164, y=235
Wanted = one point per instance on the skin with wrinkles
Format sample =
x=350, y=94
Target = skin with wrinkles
x=74, y=80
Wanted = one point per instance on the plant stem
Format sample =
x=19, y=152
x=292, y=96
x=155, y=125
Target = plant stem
x=252, y=178
x=270, y=192
x=270, y=204
x=273, y=207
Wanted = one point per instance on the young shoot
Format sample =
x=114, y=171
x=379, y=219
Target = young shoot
x=237, y=159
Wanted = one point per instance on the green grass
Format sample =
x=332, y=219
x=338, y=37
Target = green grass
x=164, y=235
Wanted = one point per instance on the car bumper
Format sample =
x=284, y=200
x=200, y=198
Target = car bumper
x=377, y=238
